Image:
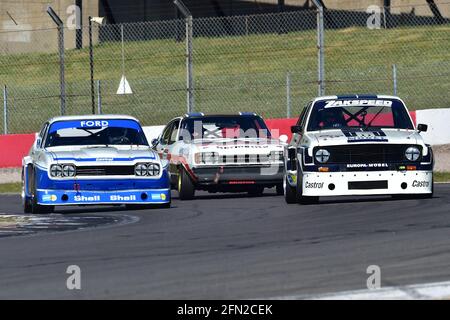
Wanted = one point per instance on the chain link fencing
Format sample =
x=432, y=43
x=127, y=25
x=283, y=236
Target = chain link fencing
x=263, y=63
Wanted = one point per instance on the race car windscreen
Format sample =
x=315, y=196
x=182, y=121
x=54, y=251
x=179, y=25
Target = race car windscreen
x=95, y=132
x=226, y=127
x=365, y=114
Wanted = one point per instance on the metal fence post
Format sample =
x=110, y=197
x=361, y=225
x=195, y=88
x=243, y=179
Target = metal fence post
x=189, y=61
x=99, y=97
x=320, y=46
x=189, y=64
x=62, y=81
x=288, y=95
x=5, y=109
x=394, y=77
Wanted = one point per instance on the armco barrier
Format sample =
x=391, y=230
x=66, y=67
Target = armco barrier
x=15, y=146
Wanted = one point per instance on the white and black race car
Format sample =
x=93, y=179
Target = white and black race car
x=221, y=153
x=357, y=145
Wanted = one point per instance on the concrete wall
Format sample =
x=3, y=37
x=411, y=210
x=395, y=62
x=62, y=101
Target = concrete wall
x=26, y=15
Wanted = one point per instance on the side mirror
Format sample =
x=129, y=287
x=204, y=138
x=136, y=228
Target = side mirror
x=38, y=142
x=296, y=129
x=422, y=127
x=155, y=142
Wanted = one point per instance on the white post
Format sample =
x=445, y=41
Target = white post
x=288, y=95
x=99, y=98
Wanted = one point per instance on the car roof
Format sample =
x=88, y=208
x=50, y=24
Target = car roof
x=202, y=115
x=356, y=96
x=93, y=117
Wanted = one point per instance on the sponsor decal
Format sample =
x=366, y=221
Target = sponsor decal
x=420, y=184
x=94, y=123
x=156, y=196
x=86, y=198
x=356, y=102
x=367, y=165
x=313, y=185
x=358, y=136
x=49, y=197
x=122, y=198
x=104, y=159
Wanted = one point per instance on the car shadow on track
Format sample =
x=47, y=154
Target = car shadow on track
x=368, y=199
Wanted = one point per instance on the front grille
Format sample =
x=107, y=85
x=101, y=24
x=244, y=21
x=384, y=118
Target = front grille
x=366, y=153
x=244, y=158
x=105, y=171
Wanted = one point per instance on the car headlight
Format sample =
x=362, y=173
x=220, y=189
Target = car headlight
x=68, y=170
x=147, y=169
x=140, y=169
x=56, y=170
x=322, y=155
x=153, y=169
x=207, y=157
x=412, y=153
x=276, y=155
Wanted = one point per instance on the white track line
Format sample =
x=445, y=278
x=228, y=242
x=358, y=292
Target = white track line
x=437, y=290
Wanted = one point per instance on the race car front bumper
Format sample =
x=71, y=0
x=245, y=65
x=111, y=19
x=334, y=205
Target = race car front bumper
x=365, y=183
x=236, y=175
x=83, y=197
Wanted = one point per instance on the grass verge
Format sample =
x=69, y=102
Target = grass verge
x=11, y=187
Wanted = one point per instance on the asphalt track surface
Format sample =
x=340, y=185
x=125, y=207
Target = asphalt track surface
x=234, y=247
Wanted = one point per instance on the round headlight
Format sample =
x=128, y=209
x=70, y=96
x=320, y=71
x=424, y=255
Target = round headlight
x=322, y=155
x=140, y=169
x=412, y=153
x=56, y=170
x=153, y=169
x=68, y=171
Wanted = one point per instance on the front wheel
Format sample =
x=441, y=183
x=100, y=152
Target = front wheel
x=186, y=188
x=34, y=206
x=290, y=193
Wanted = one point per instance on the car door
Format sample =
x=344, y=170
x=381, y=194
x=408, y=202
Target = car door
x=162, y=146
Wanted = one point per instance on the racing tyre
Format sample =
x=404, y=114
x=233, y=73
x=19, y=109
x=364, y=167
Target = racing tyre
x=35, y=207
x=300, y=197
x=186, y=188
x=290, y=193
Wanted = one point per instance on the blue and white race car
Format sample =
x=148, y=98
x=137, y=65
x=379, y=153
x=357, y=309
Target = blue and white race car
x=93, y=160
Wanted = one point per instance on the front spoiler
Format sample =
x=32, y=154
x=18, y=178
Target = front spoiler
x=72, y=197
x=338, y=183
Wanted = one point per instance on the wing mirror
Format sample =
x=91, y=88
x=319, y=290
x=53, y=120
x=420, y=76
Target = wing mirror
x=422, y=127
x=296, y=129
x=155, y=142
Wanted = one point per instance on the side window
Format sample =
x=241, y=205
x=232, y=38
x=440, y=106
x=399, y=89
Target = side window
x=166, y=133
x=174, y=131
x=42, y=134
x=305, y=115
x=302, y=115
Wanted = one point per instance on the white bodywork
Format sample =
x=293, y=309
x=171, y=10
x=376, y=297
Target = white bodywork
x=316, y=181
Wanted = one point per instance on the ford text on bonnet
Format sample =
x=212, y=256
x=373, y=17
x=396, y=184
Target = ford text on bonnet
x=357, y=145
x=90, y=160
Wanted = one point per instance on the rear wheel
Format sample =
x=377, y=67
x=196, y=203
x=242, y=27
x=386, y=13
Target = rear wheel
x=186, y=188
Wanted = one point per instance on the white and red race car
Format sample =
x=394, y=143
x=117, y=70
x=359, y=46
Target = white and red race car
x=357, y=145
x=221, y=153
